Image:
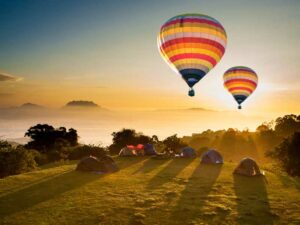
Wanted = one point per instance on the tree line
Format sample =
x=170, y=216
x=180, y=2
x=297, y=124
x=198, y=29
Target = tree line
x=278, y=139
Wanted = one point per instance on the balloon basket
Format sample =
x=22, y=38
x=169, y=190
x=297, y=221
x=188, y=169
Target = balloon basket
x=191, y=93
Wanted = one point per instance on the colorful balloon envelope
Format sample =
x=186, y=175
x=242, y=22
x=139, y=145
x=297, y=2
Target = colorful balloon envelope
x=192, y=44
x=240, y=81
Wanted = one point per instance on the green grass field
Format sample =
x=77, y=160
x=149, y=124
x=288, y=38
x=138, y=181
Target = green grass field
x=149, y=191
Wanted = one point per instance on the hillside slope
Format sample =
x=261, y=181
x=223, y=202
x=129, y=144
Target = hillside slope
x=148, y=191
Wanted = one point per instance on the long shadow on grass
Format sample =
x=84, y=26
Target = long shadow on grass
x=124, y=162
x=149, y=165
x=252, y=200
x=43, y=191
x=170, y=171
x=195, y=194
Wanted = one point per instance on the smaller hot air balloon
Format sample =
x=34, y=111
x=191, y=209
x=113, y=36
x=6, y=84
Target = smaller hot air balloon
x=240, y=81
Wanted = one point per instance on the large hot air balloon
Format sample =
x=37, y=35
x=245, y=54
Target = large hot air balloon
x=192, y=44
x=240, y=81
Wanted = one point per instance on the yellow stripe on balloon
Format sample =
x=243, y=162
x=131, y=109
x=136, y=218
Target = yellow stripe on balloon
x=188, y=46
x=188, y=24
x=240, y=92
x=194, y=66
x=244, y=75
x=247, y=85
x=193, y=30
x=193, y=61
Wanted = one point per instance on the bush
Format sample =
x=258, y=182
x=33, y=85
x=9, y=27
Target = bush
x=16, y=160
x=41, y=159
x=288, y=154
x=86, y=150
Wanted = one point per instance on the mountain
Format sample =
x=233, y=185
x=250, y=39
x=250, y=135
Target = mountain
x=81, y=103
x=30, y=106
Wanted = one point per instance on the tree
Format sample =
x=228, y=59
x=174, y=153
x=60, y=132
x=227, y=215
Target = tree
x=287, y=125
x=15, y=160
x=45, y=138
x=173, y=144
x=288, y=154
x=128, y=137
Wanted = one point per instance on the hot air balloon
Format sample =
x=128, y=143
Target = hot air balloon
x=192, y=44
x=240, y=81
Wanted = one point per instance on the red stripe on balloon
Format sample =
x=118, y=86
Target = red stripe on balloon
x=241, y=80
x=240, y=88
x=193, y=40
x=193, y=56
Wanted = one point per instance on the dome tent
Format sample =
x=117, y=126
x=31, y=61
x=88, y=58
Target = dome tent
x=188, y=152
x=139, y=150
x=126, y=151
x=149, y=149
x=248, y=167
x=211, y=156
x=93, y=164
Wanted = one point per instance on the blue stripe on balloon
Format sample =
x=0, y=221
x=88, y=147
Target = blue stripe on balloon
x=192, y=72
x=196, y=74
x=240, y=98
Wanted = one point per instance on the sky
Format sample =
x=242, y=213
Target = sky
x=55, y=51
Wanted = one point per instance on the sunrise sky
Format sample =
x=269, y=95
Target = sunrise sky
x=54, y=51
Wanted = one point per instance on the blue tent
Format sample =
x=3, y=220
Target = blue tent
x=188, y=152
x=211, y=156
x=149, y=149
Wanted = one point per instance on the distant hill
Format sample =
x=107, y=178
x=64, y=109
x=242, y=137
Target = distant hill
x=31, y=106
x=81, y=103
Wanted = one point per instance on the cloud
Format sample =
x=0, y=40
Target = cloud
x=6, y=95
x=8, y=77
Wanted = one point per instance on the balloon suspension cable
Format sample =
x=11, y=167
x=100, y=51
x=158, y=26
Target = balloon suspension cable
x=191, y=92
x=239, y=107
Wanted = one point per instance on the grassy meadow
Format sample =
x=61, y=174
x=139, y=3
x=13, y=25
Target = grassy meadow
x=149, y=191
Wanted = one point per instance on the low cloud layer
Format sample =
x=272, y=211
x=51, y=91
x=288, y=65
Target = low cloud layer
x=6, y=94
x=7, y=77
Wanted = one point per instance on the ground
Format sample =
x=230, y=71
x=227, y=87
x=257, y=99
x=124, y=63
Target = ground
x=149, y=191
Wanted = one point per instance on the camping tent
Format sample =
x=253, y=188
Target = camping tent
x=93, y=164
x=211, y=156
x=149, y=149
x=247, y=167
x=109, y=164
x=188, y=152
x=126, y=151
x=139, y=149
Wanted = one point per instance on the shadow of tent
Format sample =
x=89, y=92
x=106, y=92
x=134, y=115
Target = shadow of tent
x=150, y=165
x=43, y=191
x=171, y=170
x=195, y=194
x=252, y=200
x=124, y=162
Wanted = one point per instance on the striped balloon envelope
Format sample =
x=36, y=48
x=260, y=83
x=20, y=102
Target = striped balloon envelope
x=240, y=81
x=192, y=44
